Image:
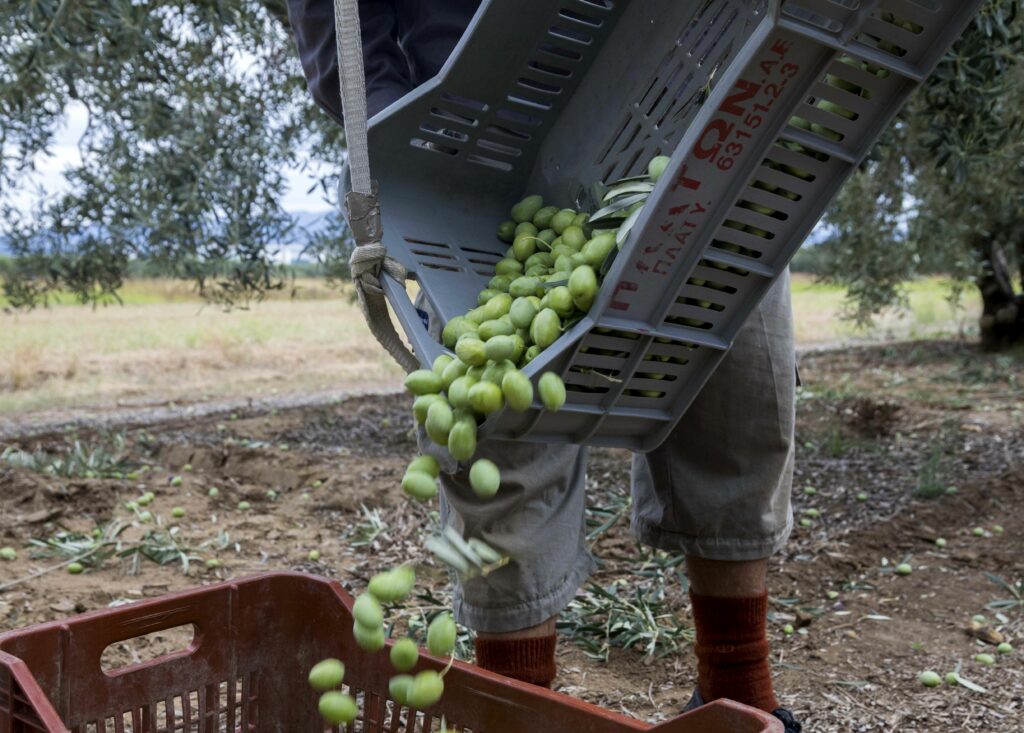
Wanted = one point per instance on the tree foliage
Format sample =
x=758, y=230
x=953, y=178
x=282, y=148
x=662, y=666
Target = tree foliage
x=195, y=109
x=944, y=189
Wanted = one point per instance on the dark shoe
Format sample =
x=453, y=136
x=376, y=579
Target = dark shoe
x=695, y=702
x=790, y=724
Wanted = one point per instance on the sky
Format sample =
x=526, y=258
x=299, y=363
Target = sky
x=64, y=153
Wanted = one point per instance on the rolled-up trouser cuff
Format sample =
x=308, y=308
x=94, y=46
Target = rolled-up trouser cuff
x=729, y=549
x=532, y=612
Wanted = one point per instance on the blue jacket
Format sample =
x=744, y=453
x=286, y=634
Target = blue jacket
x=405, y=43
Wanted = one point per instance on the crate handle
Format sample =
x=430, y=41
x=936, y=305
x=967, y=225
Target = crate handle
x=412, y=322
x=113, y=670
x=139, y=619
x=91, y=634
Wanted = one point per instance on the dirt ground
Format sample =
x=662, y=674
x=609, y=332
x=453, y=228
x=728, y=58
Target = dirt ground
x=901, y=445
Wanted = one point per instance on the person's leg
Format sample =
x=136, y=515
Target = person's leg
x=718, y=491
x=730, y=607
x=527, y=655
x=545, y=628
x=537, y=519
x=726, y=579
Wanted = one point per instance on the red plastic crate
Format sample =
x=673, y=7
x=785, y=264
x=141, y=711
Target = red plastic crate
x=245, y=670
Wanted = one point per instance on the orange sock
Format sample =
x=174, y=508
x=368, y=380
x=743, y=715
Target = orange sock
x=732, y=650
x=529, y=660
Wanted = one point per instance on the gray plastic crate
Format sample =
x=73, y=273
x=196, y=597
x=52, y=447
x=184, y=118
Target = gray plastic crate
x=548, y=97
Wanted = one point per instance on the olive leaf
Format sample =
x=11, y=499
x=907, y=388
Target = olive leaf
x=620, y=189
x=466, y=558
x=618, y=205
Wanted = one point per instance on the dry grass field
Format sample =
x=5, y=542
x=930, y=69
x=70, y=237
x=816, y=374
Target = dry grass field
x=163, y=345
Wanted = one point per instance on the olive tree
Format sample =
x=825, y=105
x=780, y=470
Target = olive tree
x=944, y=189
x=195, y=107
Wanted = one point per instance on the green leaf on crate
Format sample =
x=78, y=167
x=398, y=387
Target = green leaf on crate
x=626, y=226
x=618, y=205
x=621, y=189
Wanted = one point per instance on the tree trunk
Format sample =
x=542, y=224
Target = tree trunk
x=1002, y=316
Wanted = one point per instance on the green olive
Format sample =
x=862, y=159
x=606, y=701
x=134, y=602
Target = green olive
x=441, y=635
x=552, y=391
x=337, y=708
x=526, y=209
x=404, y=654
x=518, y=390
x=426, y=690
x=484, y=478
x=327, y=674
x=423, y=381
x=367, y=611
